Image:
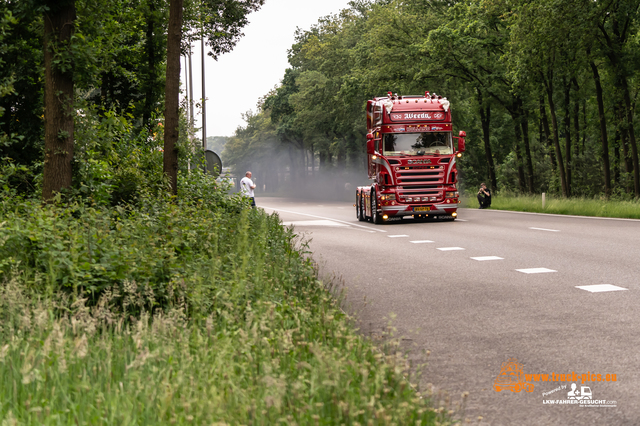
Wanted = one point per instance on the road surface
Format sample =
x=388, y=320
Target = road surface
x=557, y=295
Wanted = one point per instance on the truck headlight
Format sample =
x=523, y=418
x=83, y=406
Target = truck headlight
x=452, y=194
x=386, y=197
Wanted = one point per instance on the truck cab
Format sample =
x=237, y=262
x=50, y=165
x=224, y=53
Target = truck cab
x=411, y=159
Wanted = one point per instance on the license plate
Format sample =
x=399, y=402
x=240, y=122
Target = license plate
x=421, y=209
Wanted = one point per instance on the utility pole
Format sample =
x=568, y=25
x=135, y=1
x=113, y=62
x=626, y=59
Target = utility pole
x=204, y=98
x=190, y=82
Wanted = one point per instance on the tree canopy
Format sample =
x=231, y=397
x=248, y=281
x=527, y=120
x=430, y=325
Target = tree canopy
x=546, y=91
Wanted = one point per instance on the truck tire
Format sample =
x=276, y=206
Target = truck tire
x=375, y=217
x=359, y=207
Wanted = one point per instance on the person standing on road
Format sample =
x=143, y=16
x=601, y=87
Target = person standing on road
x=247, y=186
x=484, y=196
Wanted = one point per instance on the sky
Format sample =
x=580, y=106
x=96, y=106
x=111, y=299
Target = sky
x=236, y=82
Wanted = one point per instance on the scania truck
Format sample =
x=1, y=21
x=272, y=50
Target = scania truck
x=411, y=160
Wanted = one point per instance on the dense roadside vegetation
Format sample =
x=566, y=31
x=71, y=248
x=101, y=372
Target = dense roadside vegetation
x=193, y=309
x=546, y=91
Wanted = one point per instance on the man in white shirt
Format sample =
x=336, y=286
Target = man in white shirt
x=247, y=186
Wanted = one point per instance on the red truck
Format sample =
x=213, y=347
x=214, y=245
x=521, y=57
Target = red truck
x=411, y=160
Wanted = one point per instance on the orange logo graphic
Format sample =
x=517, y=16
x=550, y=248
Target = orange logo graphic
x=511, y=377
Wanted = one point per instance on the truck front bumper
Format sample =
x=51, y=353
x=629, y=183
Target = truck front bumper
x=406, y=210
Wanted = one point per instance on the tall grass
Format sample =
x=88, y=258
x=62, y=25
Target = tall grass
x=557, y=205
x=193, y=312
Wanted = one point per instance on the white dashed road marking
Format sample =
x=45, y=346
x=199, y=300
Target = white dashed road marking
x=449, y=248
x=483, y=258
x=535, y=270
x=544, y=229
x=599, y=288
x=397, y=236
x=314, y=223
x=421, y=241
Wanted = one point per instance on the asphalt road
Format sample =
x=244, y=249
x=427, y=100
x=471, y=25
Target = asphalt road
x=490, y=287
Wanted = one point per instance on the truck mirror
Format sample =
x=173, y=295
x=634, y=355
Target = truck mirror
x=369, y=136
x=462, y=134
x=461, y=144
x=371, y=148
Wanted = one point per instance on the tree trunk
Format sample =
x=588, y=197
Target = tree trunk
x=485, y=121
x=516, y=147
x=524, y=122
x=172, y=93
x=151, y=77
x=617, y=159
x=556, y=138
x=603, y=130
x=547, y=134
x=59, y=114
x=567, y=133
x=576, y=115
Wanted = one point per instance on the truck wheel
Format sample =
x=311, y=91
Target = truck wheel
x=375, y=217
x=360, y=208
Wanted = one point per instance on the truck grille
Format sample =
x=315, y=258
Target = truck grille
x=420, y=175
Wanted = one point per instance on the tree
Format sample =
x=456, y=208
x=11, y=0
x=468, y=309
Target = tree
x=617, y=22
x=59, y=26
x=221, y=22
x=172, y=94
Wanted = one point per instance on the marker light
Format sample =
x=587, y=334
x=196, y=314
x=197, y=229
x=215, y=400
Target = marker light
x=458, y=155
x=454, y=214
x=373, y=157
x=385, y=217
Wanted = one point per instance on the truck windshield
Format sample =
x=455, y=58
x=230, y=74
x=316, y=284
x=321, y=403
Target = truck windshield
x=417, y=143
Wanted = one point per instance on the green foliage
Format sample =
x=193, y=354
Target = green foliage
x=21, y=96
x=522, y=64
x=189, y=309
x=115, y=162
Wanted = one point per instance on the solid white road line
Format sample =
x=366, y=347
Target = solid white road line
x=449, y=248
x=599, y=288
x=544, y=229
x=421, y=241
x=483, y=258
x=535, y=270
x=322, y=217
x=562, y=215
x=397, y=236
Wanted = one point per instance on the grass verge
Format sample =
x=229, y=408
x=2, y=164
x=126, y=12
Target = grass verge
x=565, y=206
x=192, y=312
